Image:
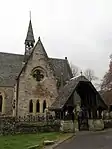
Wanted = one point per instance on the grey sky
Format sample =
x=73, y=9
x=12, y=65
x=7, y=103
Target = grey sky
x=78, y=29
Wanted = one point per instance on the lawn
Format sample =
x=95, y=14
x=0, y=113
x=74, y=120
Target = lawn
x=23, y=141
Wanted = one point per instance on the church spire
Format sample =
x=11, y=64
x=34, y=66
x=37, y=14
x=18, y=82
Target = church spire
x=29, y=41
x=30, y=36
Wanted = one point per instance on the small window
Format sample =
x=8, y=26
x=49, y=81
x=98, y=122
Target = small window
x=38, y=75
x=30, y=106
x=37, y=106
x=1, y=100
x=44, y=105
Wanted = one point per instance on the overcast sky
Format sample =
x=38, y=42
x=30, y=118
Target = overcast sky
x=78, y=29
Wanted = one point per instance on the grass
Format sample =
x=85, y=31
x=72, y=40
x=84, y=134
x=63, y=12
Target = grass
x=23, y=141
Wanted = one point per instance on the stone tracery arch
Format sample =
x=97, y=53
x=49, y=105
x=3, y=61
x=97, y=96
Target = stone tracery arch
x=38, y=73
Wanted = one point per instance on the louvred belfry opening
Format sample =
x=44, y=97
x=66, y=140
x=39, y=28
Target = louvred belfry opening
x=29, y=41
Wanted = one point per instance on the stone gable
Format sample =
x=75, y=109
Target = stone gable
x=30, y=88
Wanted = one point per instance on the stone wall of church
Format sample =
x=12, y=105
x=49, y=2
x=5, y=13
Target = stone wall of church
x=31, y=89
x=7, y=99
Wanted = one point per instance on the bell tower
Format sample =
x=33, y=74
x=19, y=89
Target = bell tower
x=29, y=41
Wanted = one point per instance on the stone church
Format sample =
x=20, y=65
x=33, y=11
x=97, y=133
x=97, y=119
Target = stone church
x=31, y=82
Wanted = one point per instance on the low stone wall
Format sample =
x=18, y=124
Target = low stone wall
x=7, y=125
x=35, y=128
x=91, y=125
x=96, y=125
x=107, y=118
x=76, y=125
x=10, y=125
x=67, y=126
x=107, y=123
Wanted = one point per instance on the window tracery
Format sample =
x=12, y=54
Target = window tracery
x=38, y=74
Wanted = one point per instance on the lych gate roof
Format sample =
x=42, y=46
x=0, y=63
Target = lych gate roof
x=11, y=65
x=67, y=91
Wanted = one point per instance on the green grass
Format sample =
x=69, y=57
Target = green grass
x=23, y=141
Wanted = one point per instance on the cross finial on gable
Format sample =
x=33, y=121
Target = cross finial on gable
x=81, y=72
x=30, y=15
x=39, y=38
x=30, y=35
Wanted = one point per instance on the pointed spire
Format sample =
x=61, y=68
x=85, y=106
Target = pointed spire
x=30, y=36
x=29, y=42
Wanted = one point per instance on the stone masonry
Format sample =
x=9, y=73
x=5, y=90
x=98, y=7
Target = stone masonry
x=30, y=77
x=29, y=88
x=7, y=94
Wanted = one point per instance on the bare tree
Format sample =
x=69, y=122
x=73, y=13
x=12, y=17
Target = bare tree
x=75, y=70
x=97, y=86
x=89, y=74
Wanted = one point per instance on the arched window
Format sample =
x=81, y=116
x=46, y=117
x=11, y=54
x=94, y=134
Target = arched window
x=1, y=101
x=44, y=105
x=37, y=106
x=30, y=106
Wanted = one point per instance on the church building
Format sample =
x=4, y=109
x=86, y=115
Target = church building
x=30, y=83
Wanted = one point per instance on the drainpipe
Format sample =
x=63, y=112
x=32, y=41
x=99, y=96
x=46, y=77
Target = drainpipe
x=17, y=86
x=62, y=85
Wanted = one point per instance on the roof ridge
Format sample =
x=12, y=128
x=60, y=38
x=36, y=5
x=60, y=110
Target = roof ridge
x=57, y=58
x=11, y=53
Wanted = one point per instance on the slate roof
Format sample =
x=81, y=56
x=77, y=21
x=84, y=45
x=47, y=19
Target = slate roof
x=11, y=65
x=67, y=91
x=61, y=66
